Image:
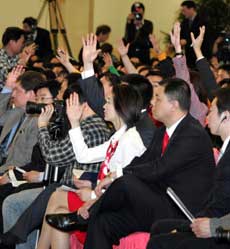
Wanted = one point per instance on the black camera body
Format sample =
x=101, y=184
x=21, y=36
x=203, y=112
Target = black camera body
x=57, y=124
x=222, y=235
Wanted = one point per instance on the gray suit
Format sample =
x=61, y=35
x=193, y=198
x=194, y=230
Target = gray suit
x=19, y=152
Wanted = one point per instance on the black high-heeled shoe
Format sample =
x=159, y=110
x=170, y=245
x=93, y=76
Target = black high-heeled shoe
x=67, y=222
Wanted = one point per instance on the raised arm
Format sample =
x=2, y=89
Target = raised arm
x=123, y=51
x=202, y=64
x=197, y=109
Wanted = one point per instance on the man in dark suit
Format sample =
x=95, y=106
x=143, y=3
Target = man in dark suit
x=137, y=33
x=191, y=23
x=40, y=36
x=218, y=201
x=180, y=156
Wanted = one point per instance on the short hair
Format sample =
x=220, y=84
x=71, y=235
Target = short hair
x=103, y=29
x=223, y=99
x=32, y=22
x=137, y=5
x=74, y=88
x=177, y=89
x=189, y=4
x=107, y=48
x=53, y=85
x=12, y=33
x=154, y=73
x=73, y=78
x=127, y=103
x=30, y=80
x=140, y=84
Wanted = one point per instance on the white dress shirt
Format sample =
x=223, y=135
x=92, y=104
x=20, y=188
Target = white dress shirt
x=130, y=145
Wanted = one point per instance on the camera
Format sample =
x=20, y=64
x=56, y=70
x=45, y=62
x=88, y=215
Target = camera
x=222, y=235
x=225, y=46
x=57, y=124
x=138, y=16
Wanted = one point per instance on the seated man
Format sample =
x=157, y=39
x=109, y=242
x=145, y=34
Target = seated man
x=180, y=156
x=217, y=202
x=59, y=153
x=45, y=93
x=19, y=133
x=12, y=52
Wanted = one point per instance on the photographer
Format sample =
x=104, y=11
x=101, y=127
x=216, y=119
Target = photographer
x=39, y=36
x=221, y=47
x=137, y=33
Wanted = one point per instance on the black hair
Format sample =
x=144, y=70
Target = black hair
x=30, y=80
x=127, y=103
x=53, y=86
x=225, y=82
x=73, y=78
x=177, y=89
x=140, y=84
x=189, y=4
x=154, y=73
x=137, y=5
x=12, y=33
x=107, y=48
x=223, y=99
x=32, y=22
x=225, y=67
x=74, y=88
x=103, y=29
x=111, y=77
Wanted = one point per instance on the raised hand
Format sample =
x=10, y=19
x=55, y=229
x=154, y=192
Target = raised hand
x=90, y=51
x=108, y=60
x=121, y=48
x=62, y=56
x=155, y=43
x=74, y=110
x=197, y=42
x=175, y=37
x=13, y=76
x=44, y=117
x=27, y=52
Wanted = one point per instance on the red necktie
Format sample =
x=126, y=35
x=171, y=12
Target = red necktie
x=164, y=142
x=104, y=169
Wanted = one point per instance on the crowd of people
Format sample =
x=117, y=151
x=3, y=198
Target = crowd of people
x=88, y=148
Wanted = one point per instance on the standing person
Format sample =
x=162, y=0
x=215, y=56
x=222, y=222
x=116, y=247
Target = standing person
x=137, y=33
x=39, y=36
x=191, y=23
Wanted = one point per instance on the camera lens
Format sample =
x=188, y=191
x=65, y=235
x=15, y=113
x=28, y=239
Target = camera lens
x=34, y=108
x=222, y=235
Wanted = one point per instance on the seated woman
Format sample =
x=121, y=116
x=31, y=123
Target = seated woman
x=123, y=109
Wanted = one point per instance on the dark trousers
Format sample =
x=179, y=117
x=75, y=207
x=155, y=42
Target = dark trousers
x=127, y=206
x=163, y=238
x=32, y=218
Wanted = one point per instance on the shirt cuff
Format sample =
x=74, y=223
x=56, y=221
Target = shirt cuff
x=6, y=90
x=88, y=73
x=41, y=176
x=199, y=58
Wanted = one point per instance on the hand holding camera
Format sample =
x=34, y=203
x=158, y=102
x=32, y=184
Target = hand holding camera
x=45, y=116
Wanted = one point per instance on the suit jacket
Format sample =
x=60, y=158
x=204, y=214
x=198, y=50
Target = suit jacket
x=187, y=164
x=95, y=97
x=185, y=34
x=218, y=202
x=44, y=43
x=207, y=77
x=20, y=150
